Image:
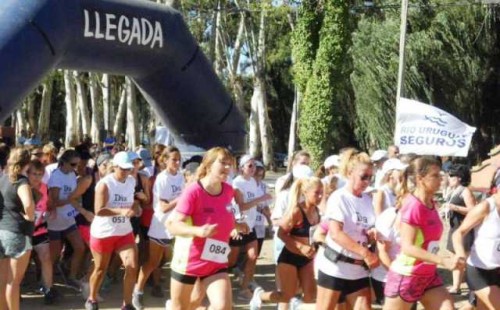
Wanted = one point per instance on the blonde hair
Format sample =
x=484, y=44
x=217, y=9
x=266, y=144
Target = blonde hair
x=419, y=166
x=351, y=158
x=18, y=159
x=298, y=189
x=210, y=157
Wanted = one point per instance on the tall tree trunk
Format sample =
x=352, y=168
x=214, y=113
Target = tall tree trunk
x=106, y=100
x=234, y=78
x=30, y=109
x=21, y=124
x=292, y=138
x=81, y=99
x=120, y=115
x=132, y=117
x=44, y=117
x=253, y=124
x=69, y=99
x=97, y=122
x=218, y=61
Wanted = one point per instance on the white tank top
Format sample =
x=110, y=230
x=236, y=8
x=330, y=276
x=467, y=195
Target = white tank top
x=485, y=252
x=121, y=195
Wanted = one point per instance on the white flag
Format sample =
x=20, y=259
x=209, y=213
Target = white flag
x=427, y=130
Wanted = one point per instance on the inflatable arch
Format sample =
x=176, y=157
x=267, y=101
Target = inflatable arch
x=141, y=39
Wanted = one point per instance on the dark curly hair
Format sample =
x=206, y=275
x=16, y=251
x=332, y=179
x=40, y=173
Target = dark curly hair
x=461, y=171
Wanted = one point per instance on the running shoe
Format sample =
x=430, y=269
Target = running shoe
x=91, y=305
x=157, y=291
x=128, y=307
x=253, y=285
x=49, y=296
x=168, y=304
x=138, y=300
x=256, y=302
x=294, y=303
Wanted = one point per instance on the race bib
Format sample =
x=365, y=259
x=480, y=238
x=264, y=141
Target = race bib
x=118, y=219
x=215, y=251
x=433, y=247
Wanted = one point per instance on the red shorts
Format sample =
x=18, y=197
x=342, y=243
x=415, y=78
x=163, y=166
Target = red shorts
x=410, y=288
x=85, y=233
x=111, y=244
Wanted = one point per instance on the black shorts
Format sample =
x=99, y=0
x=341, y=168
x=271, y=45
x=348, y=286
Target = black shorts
x=191, y=280
x=346, y=287
x=378, y=289
x=290, y=258
x=246, y=239
x=143, y=232
x=478, y=278
x=40, y=239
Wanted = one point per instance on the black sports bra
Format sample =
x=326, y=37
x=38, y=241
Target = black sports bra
x=303, y=230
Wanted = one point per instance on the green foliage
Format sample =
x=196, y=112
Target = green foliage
x=305, y=41
x=319, y=113
x=448, y=60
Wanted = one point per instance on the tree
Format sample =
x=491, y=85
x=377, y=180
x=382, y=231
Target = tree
x=319, y=113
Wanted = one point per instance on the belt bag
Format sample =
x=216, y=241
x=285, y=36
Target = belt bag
x=335, y=257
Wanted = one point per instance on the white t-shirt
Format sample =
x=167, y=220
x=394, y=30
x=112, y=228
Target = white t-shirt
x=485, y=252
x=280, y=182
x=389, y=197
x=387, y=232
x=357, y=215
x=167, y=187
x=260, y=220
x=48, y=171
x=65, y=217
x=250, y=191
x=121, y=195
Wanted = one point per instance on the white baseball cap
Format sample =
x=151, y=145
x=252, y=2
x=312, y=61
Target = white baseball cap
x=123, y=160
x=302, y=171
x=332, y=161
x=393, y=164
x=378, y=155
x=244, y=159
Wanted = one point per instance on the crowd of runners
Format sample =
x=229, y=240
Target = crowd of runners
x=363, y=229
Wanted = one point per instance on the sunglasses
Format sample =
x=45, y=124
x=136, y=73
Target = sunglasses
x=74, y=164
x=251, y=166
x=37, y=154
x=125, y=169
x=366, y=177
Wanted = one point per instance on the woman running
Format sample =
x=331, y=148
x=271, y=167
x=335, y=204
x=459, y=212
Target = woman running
x=246, y=197
x=344, y=266
x=263, y=211
x=483, y=264
x=111, y=230
x=413, y=275
x=202, y=223
x=167, y=188
x=62, y=225
x=17, y=215
x=295, y=263
x=40, y=235
x=459, y=202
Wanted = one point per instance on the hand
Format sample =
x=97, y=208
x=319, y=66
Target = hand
x=235, y=235
x=137, y=210
x=371, y=260
x=206, y=231
x=307, y=251
x=242, y=228
x=372, y=235
x=89, y=216
x=141, y=196
x=128, y=212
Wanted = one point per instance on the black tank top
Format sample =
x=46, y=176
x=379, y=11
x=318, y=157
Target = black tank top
x=303, y=230
x=457, y=199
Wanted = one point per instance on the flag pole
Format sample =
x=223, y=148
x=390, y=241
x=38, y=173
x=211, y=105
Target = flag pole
x=402, y=45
